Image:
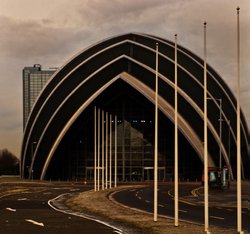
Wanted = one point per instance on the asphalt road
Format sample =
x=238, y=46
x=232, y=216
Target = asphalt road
x=24, y=209
x=222, y=213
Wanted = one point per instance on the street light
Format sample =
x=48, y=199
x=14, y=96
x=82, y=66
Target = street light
x=32, y=155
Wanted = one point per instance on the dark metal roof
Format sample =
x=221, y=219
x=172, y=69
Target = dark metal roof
x=77, y=82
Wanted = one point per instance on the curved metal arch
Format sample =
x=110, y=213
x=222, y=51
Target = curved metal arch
x=89, y=58
x=181, y=92
x=147, y=48
x=180, y=49
x=185, y=128
x=198, y=110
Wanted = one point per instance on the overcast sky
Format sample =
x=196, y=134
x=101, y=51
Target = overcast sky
x=49, y=32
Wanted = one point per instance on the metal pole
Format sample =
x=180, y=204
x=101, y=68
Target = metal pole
x=205, y=137
x=115, y=151
x=95, y=148
x=32, y=155
x=220, y=100
x=107, y=130
x=98, y=151
x=239, y=214
x=229, y=146
x=156, y=139
x=102, y=149
x=110, y=153
x=176, y=142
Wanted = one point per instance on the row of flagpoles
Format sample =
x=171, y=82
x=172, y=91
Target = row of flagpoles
x=206, y=205
x=176, y=197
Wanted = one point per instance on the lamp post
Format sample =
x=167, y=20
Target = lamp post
x=31, y=171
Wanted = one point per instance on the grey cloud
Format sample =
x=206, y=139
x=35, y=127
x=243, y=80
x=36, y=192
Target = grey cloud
x=25, y=39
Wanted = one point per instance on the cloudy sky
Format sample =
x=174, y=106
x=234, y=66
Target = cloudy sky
x=49, y=32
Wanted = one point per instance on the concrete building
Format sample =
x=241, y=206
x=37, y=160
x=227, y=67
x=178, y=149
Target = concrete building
x=34, y=79
x=117, y=76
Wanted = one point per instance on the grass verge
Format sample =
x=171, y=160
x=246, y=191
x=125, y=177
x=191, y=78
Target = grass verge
x=100, y=205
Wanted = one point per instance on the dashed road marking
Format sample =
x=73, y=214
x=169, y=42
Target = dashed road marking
x=161, y=205
x=183, y=211
x=10, y=209
x=147, y=201
x=22, y=199
x=216, y=217
x=139, y=198
x=35, y=222
x=47, y=193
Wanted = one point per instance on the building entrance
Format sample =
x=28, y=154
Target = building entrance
x=149, y=173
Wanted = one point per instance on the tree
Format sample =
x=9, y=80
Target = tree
x=9, y=163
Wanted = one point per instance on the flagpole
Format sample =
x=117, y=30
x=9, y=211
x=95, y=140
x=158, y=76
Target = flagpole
x=206, y=215
x=110, y=152
x=239, y=210
x=176, y=140
x=115, y=151
x=156, y=140
x=107, y=140
x=98, y=149
x=102, y=149
x=95, y=148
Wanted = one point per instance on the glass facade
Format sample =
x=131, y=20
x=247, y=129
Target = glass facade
x=74, y=157
x=34, y=79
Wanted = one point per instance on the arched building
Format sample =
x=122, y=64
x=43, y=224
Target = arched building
x=117, y=76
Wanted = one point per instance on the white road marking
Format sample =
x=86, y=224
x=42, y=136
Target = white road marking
x=34, y=222
x=72, y=190
x=10, y=209
x=81, y=215
x=161, y=205
x=139, y=198
x=183, y=211
x=117, y=232
x=147, y=201
x=22, y=199
x=47, y=193
x=215, y=217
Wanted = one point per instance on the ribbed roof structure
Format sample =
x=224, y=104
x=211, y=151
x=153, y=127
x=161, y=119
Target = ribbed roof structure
x=131, y=57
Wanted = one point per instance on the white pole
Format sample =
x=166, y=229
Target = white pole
x=107, y=120
x=205, y=137
x=239, y=214
x=156, y=139
x=95, y=148
x=220, y=100
x=110, y=153
x=115, y=151
x=176, y=142
x=98, y=151
x=102, y=149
